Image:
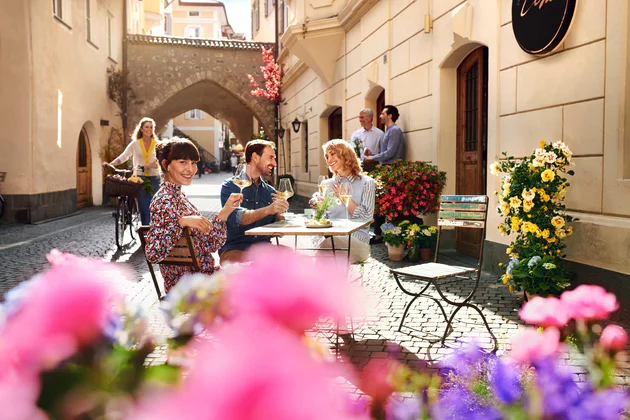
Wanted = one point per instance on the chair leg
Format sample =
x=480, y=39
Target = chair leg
x=402, y=321
x=155, y=283
x=483, y=318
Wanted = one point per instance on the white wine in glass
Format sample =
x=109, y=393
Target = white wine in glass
x=285, y=189
x=240, y=179
x=345, y=194
x=323, y=188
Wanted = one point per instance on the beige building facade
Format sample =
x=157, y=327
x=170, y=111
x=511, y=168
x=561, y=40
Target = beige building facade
x=342, y=56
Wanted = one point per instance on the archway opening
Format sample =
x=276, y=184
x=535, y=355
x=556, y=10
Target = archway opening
x=84, y=171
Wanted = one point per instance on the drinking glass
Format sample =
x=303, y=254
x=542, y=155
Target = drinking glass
x=345, y=194
x=285, y=189
x=241, y=179
x=323, y=188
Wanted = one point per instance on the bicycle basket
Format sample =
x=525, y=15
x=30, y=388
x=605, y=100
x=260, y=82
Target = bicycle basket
x=2, y=175
x=115, y=187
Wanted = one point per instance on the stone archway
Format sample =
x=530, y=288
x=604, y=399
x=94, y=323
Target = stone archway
x=172, y=75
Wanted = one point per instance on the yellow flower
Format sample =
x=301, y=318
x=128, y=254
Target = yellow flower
x=569, y=230
x=508, y=251
x=505, y=208
x=528, y=195
x=515, y=202
x=511, y=288
x=547, y=175
x=527, y=205
x=545, y=233
x=534, y=189
x=502, y=230
x=542, y=144
x=558, y=252
x=557, y=222
x=551, y=240
x=500, y=264
x=545, y=208
x=506, y=278
x=561, y=233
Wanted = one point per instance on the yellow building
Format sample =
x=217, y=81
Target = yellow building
x=54, y=109
x=341, y=56
x=198, y=19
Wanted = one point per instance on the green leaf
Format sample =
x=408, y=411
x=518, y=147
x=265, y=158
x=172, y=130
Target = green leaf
x=58, y=383
x=571, y=172
x=167, y=374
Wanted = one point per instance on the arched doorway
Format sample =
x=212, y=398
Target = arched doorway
x=84, y=171
x=335, y=124
x=472, y=138
x=380, y=104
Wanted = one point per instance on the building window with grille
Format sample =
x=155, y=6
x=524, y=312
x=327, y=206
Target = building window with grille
x=195, y=114
x=168, y=24
x=88, y=21
x=269, y=5
x=58, y=8
x=255, y=17
x=193, y=32
x=193, y=13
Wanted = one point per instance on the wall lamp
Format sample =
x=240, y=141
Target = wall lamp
x=296, y=125
x=280, y=132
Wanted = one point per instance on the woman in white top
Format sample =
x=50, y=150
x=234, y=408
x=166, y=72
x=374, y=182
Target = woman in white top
x=145, y=163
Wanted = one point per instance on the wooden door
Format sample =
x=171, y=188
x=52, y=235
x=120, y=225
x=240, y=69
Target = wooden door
x=335, y=125
x=84, y=172
x=380, y=104
x=472, y=123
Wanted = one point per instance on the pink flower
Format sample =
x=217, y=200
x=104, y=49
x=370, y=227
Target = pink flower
x=614, y=338
x=65, y=309
x=589, y=302
x=291, y=290
x=254, y=371
x=18, y=395
x=546, y=312
x=532, y=345
x=376, y=379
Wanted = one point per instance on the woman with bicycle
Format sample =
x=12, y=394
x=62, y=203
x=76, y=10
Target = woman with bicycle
x=171, y=212
x=145, y=163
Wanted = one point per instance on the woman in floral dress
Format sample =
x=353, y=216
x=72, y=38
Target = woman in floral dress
x=171, y=212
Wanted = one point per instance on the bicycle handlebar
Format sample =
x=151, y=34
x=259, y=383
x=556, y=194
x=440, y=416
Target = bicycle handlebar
x=124, y=171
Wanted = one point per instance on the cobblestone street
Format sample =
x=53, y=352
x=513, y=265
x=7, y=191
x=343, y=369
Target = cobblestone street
x=23, y=250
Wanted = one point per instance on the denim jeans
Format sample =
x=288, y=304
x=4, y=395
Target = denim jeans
x=144, y=200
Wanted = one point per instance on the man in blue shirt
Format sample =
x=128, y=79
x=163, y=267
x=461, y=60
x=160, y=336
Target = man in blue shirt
x=259, y=207
x=393, y=148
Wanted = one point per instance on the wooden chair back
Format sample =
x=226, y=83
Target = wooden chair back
x=463, y=211
x=183, y=253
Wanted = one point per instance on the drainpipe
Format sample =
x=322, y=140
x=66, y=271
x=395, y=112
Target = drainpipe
x=276, y=118
x=124, y=70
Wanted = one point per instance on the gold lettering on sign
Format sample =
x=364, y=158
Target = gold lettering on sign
x=533, y=3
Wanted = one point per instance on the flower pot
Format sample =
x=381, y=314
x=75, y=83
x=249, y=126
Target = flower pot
x=528, y=296
x=425, y=253
x=413, y=254
x=395, y=252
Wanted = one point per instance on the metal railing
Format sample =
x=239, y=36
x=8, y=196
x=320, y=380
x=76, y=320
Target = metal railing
x=198, y=42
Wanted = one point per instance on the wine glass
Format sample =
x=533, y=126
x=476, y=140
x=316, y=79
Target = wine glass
x=323, y=188
x=345, y=194
x=285, y=189
x=241, y=179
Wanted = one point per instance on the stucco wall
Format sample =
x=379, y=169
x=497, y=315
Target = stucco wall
x=576, y=94
x=54, y=82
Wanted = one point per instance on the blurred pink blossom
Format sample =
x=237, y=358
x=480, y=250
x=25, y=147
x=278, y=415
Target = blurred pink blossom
x=18, y=396
x=253, y=371
x=65, y=309
x=376, y=379
x=589, y=302
x=614, y=338
x=545, y=312
x=291, y=290
x=532, y=345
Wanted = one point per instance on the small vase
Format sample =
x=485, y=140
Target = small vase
x=413, y=254
x=395, y=252
x=425, y=253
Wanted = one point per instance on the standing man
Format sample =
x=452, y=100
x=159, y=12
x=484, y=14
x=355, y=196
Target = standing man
x=233, y=163
x=393, y=148
x=259, y=206
x=369, y=135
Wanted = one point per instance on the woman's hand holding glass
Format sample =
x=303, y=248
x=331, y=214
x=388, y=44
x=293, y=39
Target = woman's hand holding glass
x=233, y=201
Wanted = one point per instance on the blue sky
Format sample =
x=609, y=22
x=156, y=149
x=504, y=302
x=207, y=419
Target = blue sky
x=239, y=15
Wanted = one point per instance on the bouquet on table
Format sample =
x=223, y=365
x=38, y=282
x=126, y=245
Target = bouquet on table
x=321, y=203
x=358, y=146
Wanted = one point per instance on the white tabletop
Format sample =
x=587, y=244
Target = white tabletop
x=296, y=227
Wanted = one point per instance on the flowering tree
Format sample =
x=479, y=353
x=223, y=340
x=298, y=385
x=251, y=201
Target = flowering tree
x=273, y=73
x=532, y=206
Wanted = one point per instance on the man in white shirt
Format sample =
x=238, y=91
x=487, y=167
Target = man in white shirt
x=370, y=136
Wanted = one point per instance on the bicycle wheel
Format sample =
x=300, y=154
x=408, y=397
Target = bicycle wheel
x=121, y=222
x=133, y=217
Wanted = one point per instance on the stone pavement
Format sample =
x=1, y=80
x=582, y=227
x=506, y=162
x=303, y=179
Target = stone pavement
x=91, y=233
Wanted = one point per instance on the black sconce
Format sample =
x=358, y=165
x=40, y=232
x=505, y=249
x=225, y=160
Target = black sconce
x=280, y=132
x=296, y=125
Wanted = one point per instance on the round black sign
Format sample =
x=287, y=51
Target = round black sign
x=541, y=25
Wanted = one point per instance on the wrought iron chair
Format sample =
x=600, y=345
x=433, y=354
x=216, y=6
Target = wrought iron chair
x=462, y=211
x=183, y=253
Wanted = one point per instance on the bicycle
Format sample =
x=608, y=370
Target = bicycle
x=2, y=176
x=127, y=212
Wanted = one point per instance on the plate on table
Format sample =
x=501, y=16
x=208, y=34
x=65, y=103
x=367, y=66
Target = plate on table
x=318, y=225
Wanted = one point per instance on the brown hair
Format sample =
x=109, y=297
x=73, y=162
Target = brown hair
x=174, y=149
x=346, y=153
x=137, y=132
x=256, y=146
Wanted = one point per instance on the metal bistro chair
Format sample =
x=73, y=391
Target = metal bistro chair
x=462, y=211
x=183, y=253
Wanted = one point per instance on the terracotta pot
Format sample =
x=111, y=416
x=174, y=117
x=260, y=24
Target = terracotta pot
x=395, y=252
x=425, y=253
x=528, y=296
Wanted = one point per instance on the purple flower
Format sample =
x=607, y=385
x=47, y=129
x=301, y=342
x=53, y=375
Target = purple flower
x=458, y=403
x=505, y=380
x=557, y=387
x=408, y=409
x=603, y=405
x=464, y=359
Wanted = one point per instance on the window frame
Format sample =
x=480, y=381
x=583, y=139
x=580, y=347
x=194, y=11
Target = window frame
x=109, y=30
x=195, y=115
x=88, y=21
x=58, y=8
x=190, y=13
